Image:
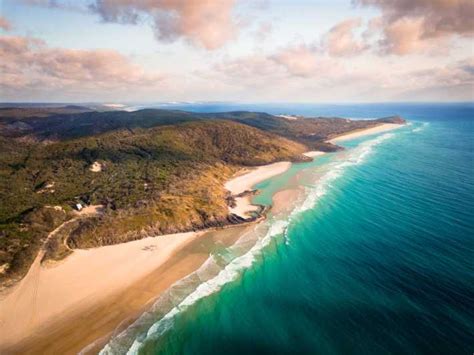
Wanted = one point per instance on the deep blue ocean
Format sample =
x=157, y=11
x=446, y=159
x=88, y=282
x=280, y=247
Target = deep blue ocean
x=375, y=255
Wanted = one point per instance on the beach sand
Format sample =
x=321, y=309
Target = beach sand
x=365, y=132
x=283, y=201
x=314, y=153
x=64, y=307
x=82, y=280
x=246, y=180
x=98, y=292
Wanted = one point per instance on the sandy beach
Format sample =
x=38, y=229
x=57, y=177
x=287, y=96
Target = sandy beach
x=365, y=132
x=59, y=307
x=63, y=307
x=313, y=153
x=95, y=293
x=82, y=280
x=246, y=180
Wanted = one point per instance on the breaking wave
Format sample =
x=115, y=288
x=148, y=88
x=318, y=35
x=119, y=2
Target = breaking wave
x=420, y=128
x=223, y=268
x=336, y=170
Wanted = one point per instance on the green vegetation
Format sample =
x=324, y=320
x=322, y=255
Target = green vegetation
x=161, y=172
x=159, y=180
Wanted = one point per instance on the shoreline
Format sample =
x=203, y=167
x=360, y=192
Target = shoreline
x=35, y=319
x=384, y=127
x=66, y=306
x=49, y=292
x=86, y=328
x=245, y=180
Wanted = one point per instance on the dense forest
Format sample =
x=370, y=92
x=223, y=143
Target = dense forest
x=153, y=171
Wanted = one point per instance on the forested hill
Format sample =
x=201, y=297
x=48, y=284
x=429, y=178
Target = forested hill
x=56, y=124
x=154, y=171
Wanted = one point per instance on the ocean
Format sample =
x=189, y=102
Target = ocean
x=375, y=254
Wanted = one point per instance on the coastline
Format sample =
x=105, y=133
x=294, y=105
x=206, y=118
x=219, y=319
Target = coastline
x=64, y=307
x=84, y=279
x=87, y=327
x=34, y=318
x=245, y=180
x=384, y=127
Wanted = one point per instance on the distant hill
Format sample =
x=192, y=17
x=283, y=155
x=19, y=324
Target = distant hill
x=15, y=112
x=309, y=131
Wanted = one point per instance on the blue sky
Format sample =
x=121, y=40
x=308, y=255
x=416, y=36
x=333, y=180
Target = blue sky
x=309, y=51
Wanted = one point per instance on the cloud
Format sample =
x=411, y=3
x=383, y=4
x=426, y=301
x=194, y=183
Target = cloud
x=293, y=63
x=206, y=23
x=72, y=5
x=30, y=65
x=453, y=82
x=415, y=25
x=263, y=31
x=404, y=36
x=340, y=40
x=5, y=24
x=298, y=60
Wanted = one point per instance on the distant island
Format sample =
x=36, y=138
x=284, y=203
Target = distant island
x=118, y=176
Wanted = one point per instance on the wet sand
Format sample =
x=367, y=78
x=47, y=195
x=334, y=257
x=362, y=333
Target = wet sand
x=282, y=201
x=95, y=322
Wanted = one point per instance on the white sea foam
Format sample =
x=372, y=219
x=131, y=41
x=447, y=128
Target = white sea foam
x=420, y=128
x=336, y=170
x=227, y=274
x=215, y=272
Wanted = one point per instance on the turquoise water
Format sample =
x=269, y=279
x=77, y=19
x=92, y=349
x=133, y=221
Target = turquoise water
x=376, y=256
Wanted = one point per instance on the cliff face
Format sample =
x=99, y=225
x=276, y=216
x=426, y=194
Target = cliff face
x=160, y=172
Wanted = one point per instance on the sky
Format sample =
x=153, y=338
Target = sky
x=124, y=51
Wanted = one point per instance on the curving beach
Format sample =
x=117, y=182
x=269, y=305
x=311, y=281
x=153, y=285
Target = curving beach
x=65, y=306
x=84, y=299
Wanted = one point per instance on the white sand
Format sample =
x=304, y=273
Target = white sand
x=83, y=279
x=247, y=180
x=365, y=132
x=86, y=277
x=313, y=153
x=96, y=167
x=243, y=207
